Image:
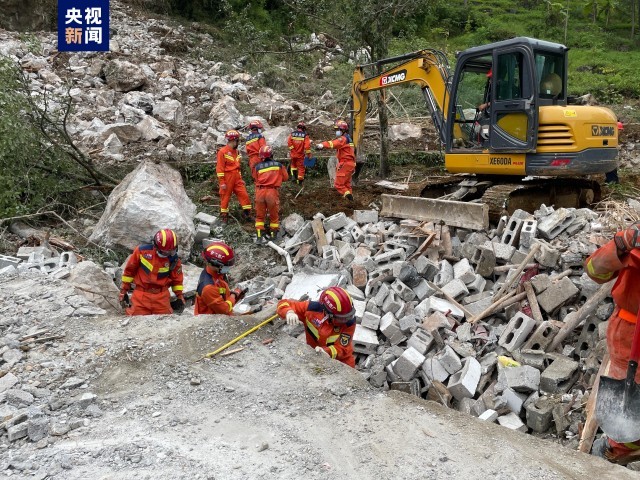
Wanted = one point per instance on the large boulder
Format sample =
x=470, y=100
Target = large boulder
x=404, y=131
x=96, y=285
x=152, y=129
x=124, y=76
x=169, y=111
x=277, y=136
x=148, y=199
x=225, y=116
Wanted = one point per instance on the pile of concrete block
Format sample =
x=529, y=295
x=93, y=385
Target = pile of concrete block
x=40, y=258
x=427, y=319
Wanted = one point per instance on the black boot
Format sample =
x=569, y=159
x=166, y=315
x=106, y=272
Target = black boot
x=246, y=215
x=349, y=197
x=294, y=174
x=224, y=218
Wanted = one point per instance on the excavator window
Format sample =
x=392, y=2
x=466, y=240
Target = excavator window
x=549, y=74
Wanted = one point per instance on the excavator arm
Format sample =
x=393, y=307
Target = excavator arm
x=427, y=68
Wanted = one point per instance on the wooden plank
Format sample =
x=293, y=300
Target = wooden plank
x=533, y=303
x=318, y=231
x=423, y=247
x=590, y=424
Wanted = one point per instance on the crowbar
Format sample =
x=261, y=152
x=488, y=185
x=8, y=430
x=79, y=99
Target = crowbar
x=248, y=332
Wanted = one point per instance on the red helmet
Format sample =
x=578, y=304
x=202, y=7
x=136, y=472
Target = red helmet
x=219, y=254
x=166, y=242
x=255, y=124
x=490, y=73
x=337, y=303
x=342, y=125
x=232, y=135
x=301, y=126
x=265, y=151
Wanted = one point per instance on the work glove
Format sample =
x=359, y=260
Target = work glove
x=322, y=350
x=627, y=240
x=181, y=298
x=239, y=293
x=292, y=318
x=319, y=146
x=123, y=298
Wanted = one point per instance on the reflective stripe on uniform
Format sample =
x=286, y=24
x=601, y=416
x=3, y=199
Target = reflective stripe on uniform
x=259, y=224
x=269, y=169
x=224, y=210
x=291, y=147
x=221, y=174
x=334, y=351
x=126, y=279
x=177, y=288
x=313, y=330
x=246, y=207
x=599, y=276
x=285, y=304
x=251, y=141
x=163, y=269
x=632, y=446
x=274, y=225
x=332, y=339
x=627, y=315
x=346, y=193
x=228, y=302
x=147, y=264
x=330, y=144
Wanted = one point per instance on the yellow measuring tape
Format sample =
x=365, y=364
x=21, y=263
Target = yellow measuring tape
x=248, y=332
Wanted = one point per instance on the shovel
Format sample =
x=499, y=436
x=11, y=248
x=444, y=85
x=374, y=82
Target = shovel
x=618, y=402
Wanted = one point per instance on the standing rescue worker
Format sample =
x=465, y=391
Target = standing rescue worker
x=254, y=142
x=619, y=258
x=153, y=268
x=299, y=149
x=269, y=176
x=329, y=323
x=230, y=177
x=343, y=144
x=213, y=292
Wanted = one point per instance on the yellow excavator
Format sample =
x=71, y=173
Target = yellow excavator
x=503, y=116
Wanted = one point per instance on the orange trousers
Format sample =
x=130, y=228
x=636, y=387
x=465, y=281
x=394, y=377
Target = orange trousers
x=619, y=338
x=145, y=303
x=343, y=178
x=267, y=200
x=234, y=184
x=297, y=168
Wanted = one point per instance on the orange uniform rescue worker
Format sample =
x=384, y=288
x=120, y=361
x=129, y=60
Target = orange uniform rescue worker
x=269, y=176
x=299, y=148
x=329, y=323
x=620, y=259
x=213, y=293
x=230, y=177
x=254, y=142
x=346, y=158
x=153, y=268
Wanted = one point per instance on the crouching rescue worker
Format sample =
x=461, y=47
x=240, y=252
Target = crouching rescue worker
x=343, y=144
x=254, y=142
x=213, y=292
x=299, y=147
x=230, y=177
x=269, y=176
x=619, y=259
x=329, y=323
x=153, y=268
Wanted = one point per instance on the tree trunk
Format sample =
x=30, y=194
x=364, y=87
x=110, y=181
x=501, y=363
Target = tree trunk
x=384, y=136
x=633, y=19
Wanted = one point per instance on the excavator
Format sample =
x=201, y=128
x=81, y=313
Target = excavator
x=505, y=120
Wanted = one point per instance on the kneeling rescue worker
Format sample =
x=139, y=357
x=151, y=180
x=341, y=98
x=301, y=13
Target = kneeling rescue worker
x=269, y=176
x=213, y=293
x=619, y=258
x=343, y=144
x=230, y=177
x=153, y=268
x=329, y=323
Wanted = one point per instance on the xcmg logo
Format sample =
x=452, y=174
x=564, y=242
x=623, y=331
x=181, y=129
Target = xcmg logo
x=393, y=78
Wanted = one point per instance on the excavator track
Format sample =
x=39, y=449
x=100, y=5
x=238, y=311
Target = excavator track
x=504, y=196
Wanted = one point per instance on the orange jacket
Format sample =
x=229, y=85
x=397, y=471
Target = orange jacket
x=344, y=147
x=604, y=264
x=213, y=294
x=149, y=271
x=253, y=144
x=299, y=144
x=228, y=161
x=335, y=338
x=270, y=173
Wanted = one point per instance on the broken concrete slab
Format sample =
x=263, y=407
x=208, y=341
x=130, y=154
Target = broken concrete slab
x=310, y=284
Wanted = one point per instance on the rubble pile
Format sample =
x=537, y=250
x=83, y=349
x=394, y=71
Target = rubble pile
x=465, y=318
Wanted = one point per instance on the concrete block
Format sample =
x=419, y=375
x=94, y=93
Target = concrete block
x=520, y=379
x=392, y=304
x=589, y=336
x=8, y=270
x=533, y=358
x=346, y=253
x=489, y=416
x=435, y=321
x=60, y=272
x=370, y=320
x=502, y=252
x=409, y=324
x=463, y=270
x=381, y=294
x=391, y=256
x=511, y=234
x=540, y=414
x=477, y=285
x=409, y=275
x=403, y=291
x=455, y=288
x=444, y=275
x=202, y=217
x=547, y=256
x=25, y=252
x=330, y=252
x=302, y=235
x=435, y=304
x=528, y=233
x=512, y=422
x=390, y=328
x=540, y=282
x=6, y=261
x=67, y=259
x=561, y=291
x=426, y=268
x=516, y=332
x=485, y=261
x=408, y=364
x=434, y=370
x=449, y=360
x=356, y=233
x=463, y=384
x=560, y=376
x=391, y=375
x=37, y=429
x=542, y=337
x=365, y=216
x=18, y=431
x=365, y=340
x=359, y=275
x=421, y=341
x=336, y=222
x=423, y=290
x=553, y=225
x=514, y=400
x=202, y=231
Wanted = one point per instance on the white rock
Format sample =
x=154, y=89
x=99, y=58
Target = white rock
x=404, y=131
x=277, y=137
x=152, y=129
x=113, y=145
x=169, y=111
x=88, y=277
x=124, y=76
x=225, y=116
